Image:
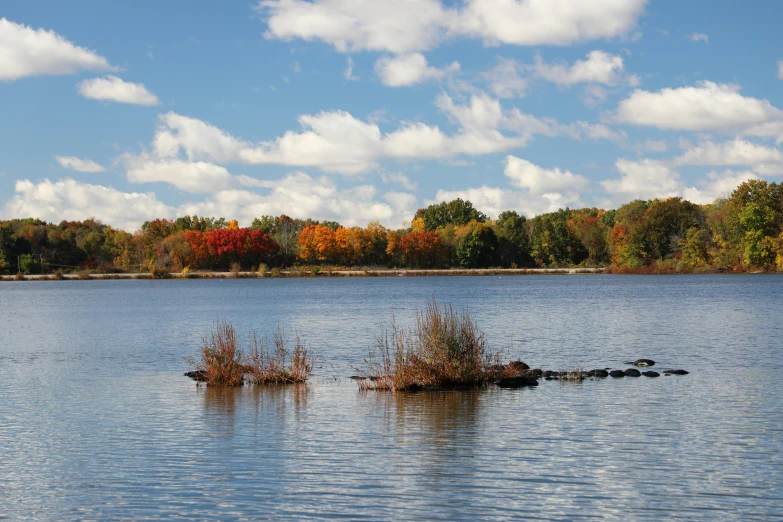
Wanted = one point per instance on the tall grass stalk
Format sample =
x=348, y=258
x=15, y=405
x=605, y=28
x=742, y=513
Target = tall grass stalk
x=223, y=362
x=445, y=349
x=277, y=365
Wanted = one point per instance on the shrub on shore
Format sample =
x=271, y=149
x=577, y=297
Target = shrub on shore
x=445, y=349
x=223, y=362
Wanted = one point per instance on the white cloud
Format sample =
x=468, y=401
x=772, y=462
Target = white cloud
x=418, y=25
x=300, y=195
x=594, y=95
x=716, y=185
x=400, y=179
x=780, y=69
x=506, y=79
x=79, y=165
x=25, y=51
x=338, y=142
x=296, y=194
x=643, y=179
x=494, y=200
x=708, y=106
x=735, y=152
x=599, y=67
x=197, y=176
x=409, y=69
x=699, y=37
x=71, y=200
x=651, y=146
x=348, y=74
x=115, y=89
x=539, y=180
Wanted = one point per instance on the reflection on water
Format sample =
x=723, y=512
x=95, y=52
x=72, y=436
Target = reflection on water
x=97, y=421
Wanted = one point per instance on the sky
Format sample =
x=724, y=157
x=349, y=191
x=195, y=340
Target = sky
x=360, y=111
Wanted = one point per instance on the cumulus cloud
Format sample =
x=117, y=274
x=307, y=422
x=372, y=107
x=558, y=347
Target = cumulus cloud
x=25, y=51
x=599, y=67
x=716, y=185
x=338, y=142
x=71, y=200
x=418, y=25
x=494, y=200
x=699, y=37
x=112, y=88
x=734, y=152
x=643, y=179
x=705, y=107
x=409, y=69
x=538, y=180
x=296, y=194
x=348, y=74
x=79, y=165
x=300, y=195
x=506, y=79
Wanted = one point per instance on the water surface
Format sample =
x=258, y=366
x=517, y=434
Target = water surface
x=97, y=422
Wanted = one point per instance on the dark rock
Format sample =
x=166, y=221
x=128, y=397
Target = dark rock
x=548, y=374
x=617, y=373
x=518, y=366
x=548, y=378
x=598, y=373
x=517, y=382
x=676, y=372
x=197, y=375
x=632, y=372
x=537, y=372
x=651, y=374
x=643, y=362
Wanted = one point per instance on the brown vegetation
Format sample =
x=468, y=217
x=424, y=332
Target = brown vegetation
x=445, y=349
x=223, y=362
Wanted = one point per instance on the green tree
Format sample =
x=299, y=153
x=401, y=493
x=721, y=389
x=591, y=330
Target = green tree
x=456, y=212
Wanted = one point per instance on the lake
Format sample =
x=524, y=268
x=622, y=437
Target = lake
x=98, y=422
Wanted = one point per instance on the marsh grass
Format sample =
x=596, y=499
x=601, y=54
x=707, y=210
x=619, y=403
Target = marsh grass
x=574, y=374
x=223, y=362
x=221, y=356
x=278, y=364
x=445, y=349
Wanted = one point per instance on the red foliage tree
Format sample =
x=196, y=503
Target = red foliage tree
x=420, y=249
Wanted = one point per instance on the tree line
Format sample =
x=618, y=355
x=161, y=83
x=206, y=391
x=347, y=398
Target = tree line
x=740, y=233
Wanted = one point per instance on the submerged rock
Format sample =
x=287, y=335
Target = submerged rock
x=197, y=375
x=676, y=372
x=617, y=373
x=643, y=362
x=517, y=382
x=632, y=372
x=651, y=374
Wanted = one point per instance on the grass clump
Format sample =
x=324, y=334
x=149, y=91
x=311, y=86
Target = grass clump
x=223, y=362
x=445, y=349
x=278, y=365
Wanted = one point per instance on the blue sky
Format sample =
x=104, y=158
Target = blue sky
x=360, y=111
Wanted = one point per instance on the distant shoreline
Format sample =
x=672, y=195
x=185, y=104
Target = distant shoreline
x=301, y=274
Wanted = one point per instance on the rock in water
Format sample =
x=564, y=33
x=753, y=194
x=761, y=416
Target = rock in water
x=632, y=372
x=676, y=372
x=598, y=373
x=644, y=362
x=517, y=382
x=197, y=375
x=518, y=365
x=651, y=374
x=617, y=373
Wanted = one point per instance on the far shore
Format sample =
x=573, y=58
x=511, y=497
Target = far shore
x=324, y=273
